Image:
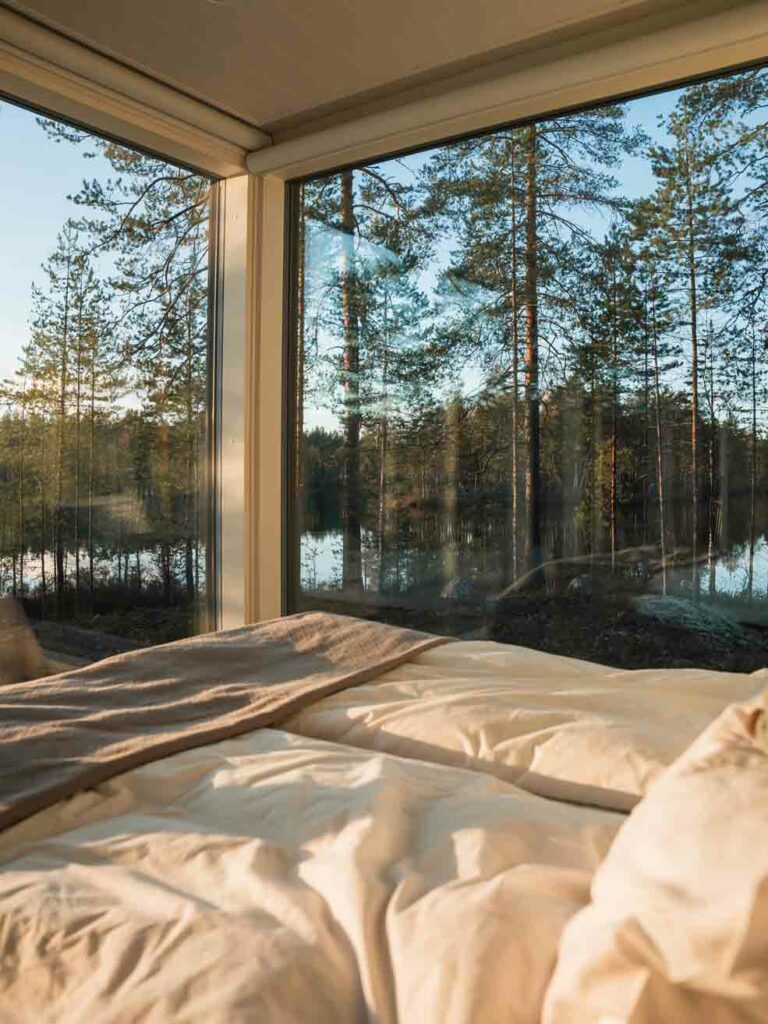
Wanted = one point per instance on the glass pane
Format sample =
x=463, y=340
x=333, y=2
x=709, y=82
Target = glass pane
x=530, y=384
x=104, y=366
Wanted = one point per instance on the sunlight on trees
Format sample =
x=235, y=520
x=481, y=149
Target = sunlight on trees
x=531, y=397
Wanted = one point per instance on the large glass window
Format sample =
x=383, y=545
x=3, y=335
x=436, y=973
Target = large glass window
x=529, y=384
x=104, y=366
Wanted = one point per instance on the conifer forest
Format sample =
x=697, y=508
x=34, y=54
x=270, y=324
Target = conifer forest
x=103, y=427
x=530, y=381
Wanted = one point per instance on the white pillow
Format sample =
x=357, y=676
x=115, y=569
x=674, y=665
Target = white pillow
x=677, y=929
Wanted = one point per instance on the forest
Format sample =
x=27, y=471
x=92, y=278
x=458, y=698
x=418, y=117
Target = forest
x=103, y=515
x=530, y=383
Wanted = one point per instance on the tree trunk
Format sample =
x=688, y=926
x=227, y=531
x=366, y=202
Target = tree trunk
x=533, y=467
x=58, y=520
x=166, y=563
x=724, y=485
x=712, y=545
x=163, y=456
x=22, y=470
x=78, y=396
x=712, y=496
x=91, y=456
x=513, y=304
x=383, y=450
x=189, y=570
x=450, y=545
x=352, y=577
x=647, y=460
x=197, y=557
x=382, y=524
x=752, y=470
x=614, y=430
x=659, y=448
x=596, y=502
x=43, y=523
x=694, y=320
x=191, y=459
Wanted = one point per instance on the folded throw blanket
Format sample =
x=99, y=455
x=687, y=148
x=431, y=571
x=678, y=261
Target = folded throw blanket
x=69, y=732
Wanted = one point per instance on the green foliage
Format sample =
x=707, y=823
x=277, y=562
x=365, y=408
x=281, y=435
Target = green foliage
x=544, y=368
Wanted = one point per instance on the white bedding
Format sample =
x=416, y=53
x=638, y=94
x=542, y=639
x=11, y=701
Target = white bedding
x=278, y=879
x=563, y=728
x=677, y=927
x=372, y=861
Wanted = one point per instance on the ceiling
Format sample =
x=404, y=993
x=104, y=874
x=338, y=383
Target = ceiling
x=284, y=65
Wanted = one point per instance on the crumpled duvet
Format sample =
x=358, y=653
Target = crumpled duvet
x=277, y=879
x=376, y=859
x=559, y=727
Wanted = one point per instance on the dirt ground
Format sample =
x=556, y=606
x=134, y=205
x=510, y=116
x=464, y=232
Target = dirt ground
x=614, y=632
x=610, y=631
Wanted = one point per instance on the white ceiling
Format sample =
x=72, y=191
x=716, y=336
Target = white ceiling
x=281, y=64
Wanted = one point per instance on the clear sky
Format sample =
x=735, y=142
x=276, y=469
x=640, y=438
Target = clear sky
x=36, y=176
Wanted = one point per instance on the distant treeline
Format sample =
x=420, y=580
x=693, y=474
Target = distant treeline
x=125, y=510
x=457, y=500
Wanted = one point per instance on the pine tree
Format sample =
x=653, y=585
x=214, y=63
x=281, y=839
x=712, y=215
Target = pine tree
x=362, y=222
x=659, y=351
x=612, y=323
x=697, y=226
x=513, y=201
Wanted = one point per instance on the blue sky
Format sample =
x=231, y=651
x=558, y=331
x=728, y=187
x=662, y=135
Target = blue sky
x=37, y=174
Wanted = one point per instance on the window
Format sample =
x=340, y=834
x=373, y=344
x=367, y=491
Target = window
x=104, y=500
x=529, y=384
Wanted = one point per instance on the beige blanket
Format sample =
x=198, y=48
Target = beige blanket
x=69, y=732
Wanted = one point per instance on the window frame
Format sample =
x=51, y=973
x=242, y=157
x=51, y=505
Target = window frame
x=254, y=240
x=692, y=42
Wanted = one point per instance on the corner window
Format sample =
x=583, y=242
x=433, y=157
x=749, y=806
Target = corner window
x=529, y=384
x=104, y=436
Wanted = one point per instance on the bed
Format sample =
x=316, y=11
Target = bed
x=318, y=820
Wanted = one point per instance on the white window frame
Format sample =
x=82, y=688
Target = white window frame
x=251, y=421
x=251, y=427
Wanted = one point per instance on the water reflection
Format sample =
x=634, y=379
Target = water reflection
x=740, y=572
x=634, y=616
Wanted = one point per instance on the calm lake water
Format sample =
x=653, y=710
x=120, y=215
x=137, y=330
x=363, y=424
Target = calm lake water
x=145, y=563
x=321, y=568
